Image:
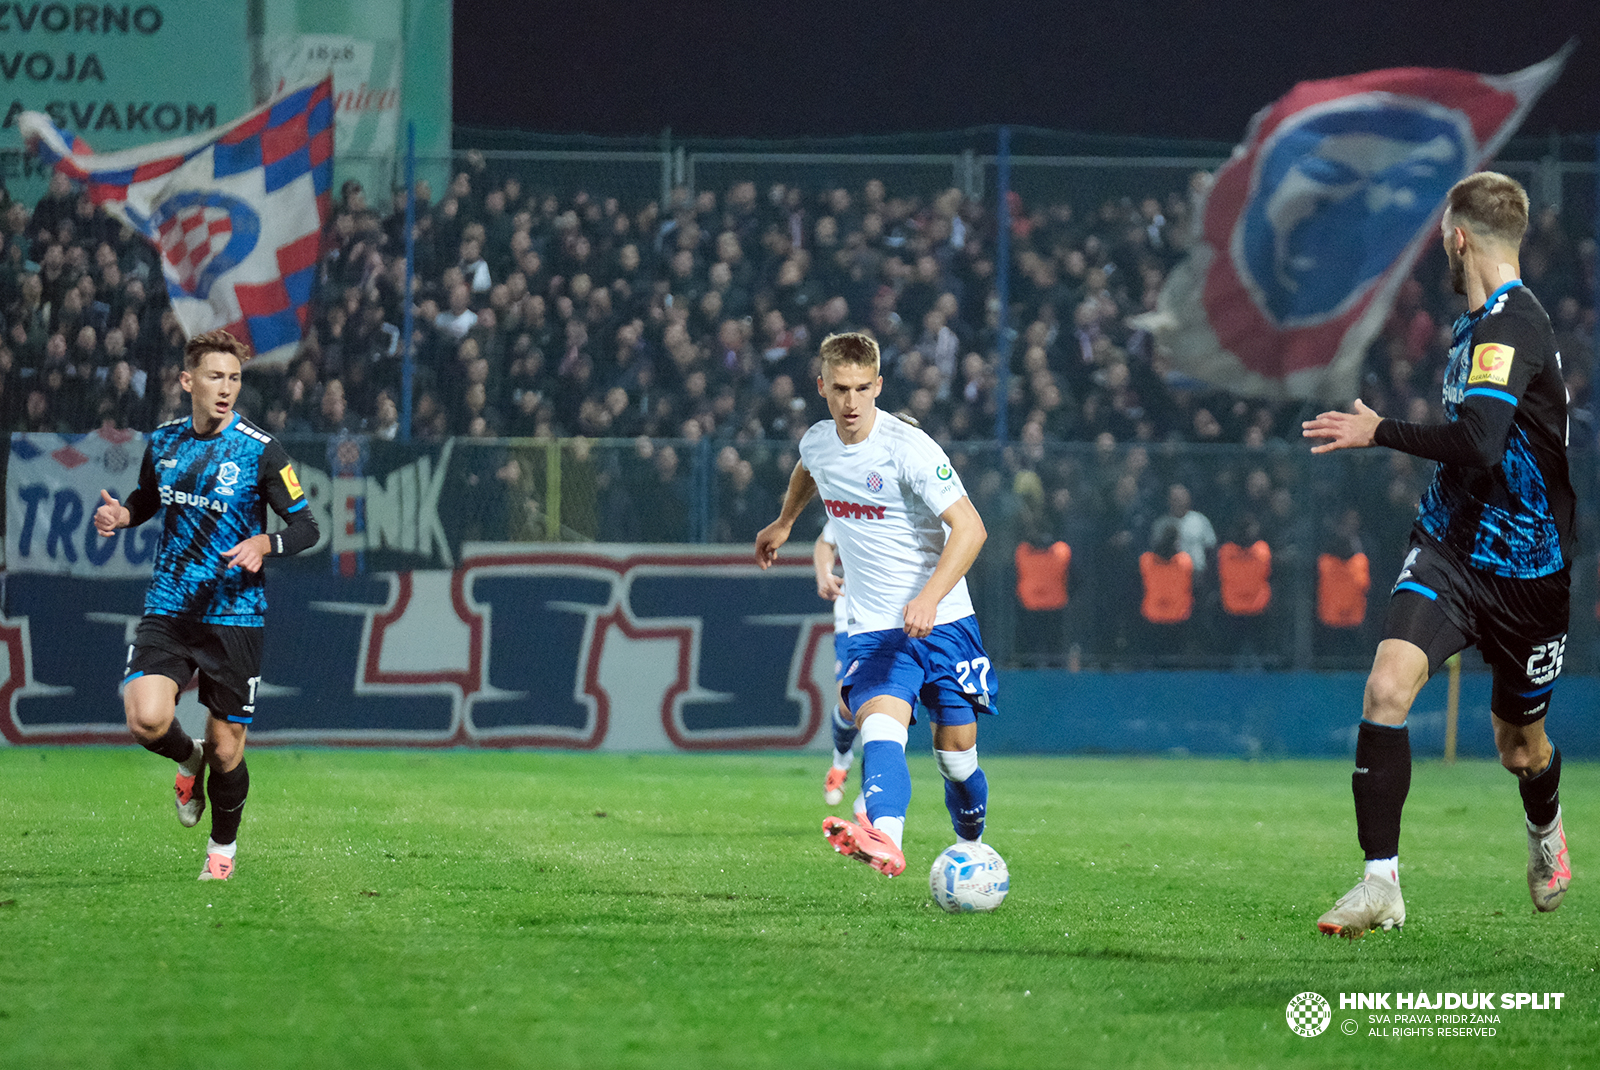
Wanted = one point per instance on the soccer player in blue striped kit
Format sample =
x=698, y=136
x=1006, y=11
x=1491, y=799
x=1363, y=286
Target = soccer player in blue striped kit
x=907, y=533
x=215, y=473
x=1491, y=553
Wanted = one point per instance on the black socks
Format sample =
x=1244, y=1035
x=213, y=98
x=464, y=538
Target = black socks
x=1380, y=783
x=176, y=744
x=226, y=792
x=1541, y=796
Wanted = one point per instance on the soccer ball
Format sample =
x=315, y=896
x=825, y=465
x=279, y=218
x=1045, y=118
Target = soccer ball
x=968, y=877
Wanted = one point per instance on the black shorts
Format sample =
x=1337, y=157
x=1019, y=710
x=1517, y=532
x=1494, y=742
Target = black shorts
x=227, y=658
x=1519, y=625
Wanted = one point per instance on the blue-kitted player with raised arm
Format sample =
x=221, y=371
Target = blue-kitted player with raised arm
x=1491, y=553
x=215, y=473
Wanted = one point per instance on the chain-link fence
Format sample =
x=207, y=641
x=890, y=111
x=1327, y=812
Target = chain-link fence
x=1046, y=166
x=1331, y=529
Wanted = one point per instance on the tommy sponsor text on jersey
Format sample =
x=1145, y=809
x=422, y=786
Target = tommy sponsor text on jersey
x=884, y=496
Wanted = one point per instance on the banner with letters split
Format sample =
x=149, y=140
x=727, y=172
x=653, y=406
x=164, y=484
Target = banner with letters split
x=609, y=647
x=380, y=505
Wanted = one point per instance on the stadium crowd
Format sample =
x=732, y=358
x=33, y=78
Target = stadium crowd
x=543, y=316
x=692, y=327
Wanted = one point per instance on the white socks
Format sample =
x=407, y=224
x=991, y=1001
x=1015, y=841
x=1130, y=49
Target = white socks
x=226, y=850
x=1544, y=830
x=957, y=765
x=892, y=827
x=1387, y=868
x=880, y=726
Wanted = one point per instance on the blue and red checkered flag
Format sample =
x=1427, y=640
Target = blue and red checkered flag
x=1303, y=238
x=236, y=212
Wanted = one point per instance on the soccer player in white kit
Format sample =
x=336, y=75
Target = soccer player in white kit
x=830, y=586
x=907, y=534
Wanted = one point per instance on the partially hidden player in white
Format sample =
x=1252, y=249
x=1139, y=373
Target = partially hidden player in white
x=907, y=534
x=830, y=587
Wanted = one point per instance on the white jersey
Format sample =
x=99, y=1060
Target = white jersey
x=841, y=605
x=883, y=497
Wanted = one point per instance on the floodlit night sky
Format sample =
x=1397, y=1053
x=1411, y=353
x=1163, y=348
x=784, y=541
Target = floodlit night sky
x=1179, y=68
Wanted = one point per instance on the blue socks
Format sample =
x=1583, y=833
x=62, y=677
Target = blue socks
x=885, y=776
x=966, y=791
x=844, y=737
x=886, y=781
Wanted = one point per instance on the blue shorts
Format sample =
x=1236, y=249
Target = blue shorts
x=948, y=671
x=841, y=654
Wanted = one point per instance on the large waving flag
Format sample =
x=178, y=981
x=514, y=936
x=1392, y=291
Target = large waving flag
x=1306, y=234
x=236, y=212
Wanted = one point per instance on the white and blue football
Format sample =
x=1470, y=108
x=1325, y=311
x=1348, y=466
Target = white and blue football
x=969, y=877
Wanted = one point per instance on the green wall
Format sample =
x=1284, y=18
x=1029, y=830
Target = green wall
x=152, y=71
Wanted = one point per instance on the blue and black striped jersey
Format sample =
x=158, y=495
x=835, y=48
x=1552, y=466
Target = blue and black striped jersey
x=1502, y=498
x=215, y=490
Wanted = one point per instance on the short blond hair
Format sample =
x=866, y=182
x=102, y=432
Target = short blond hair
x=1491, y=205
x=852, y=347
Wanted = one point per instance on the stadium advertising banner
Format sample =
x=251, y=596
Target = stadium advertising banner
x=53, y=485
x=386, y=58
x=107, y=73
x=366, y=85
x=378, y=504
x=603, y=647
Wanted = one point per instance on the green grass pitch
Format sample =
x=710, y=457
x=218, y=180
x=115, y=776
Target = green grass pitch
x=481, y=909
